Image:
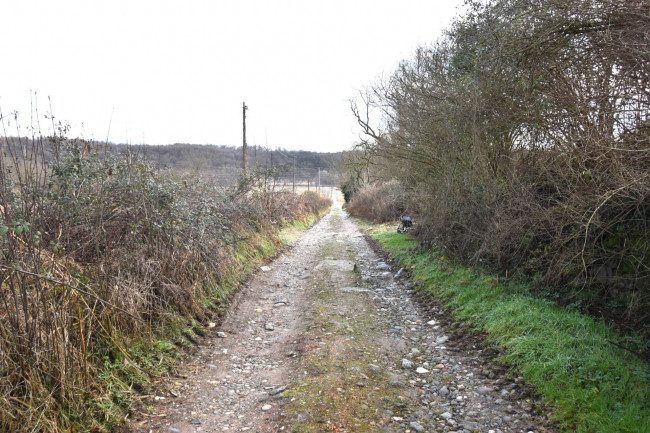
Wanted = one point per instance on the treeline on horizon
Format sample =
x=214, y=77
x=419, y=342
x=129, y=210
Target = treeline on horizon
x=223, y=162
x=520, y=141
x=197, y=156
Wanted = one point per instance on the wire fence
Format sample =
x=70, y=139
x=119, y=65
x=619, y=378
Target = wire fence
x=307, y=178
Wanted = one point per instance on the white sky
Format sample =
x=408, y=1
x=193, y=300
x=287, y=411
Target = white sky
x=178, y=71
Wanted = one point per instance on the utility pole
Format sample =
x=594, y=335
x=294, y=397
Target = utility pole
x=294, y=174
x=244, y=147
x=318, y=189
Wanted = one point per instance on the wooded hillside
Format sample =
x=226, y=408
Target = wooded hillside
x=222, y=163
x=226, y=161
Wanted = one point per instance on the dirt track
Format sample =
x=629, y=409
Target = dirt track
x=326, y=339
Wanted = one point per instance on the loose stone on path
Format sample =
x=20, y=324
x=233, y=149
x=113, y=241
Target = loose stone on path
x=255, y=375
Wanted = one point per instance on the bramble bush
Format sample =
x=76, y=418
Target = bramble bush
x=521, y=139
x=101, y=253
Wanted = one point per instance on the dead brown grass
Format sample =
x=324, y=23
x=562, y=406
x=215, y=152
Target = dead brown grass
x=99, y=257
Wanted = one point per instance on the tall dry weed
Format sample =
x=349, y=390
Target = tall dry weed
x=99, y=251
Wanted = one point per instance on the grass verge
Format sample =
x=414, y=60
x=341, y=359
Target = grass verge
x=250, y=255
x=165, y=350
x=577, y=363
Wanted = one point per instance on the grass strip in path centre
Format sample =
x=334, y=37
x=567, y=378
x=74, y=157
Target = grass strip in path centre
x=570, y=358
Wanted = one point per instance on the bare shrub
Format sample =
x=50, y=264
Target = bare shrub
x=99, y=251
x=379, y=202
x=314, y=203
x=523, y=140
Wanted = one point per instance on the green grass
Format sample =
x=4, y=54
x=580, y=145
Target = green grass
x=568, y=357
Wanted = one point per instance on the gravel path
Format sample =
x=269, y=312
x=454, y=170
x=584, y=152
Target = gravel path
x=326, y=338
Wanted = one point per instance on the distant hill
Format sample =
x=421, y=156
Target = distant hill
x=225, y=162
x=221, y=162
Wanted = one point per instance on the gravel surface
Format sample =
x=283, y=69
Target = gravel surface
x=328, y=338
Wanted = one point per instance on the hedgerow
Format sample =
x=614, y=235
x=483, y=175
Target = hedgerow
x=521, y=139
x=103, y=259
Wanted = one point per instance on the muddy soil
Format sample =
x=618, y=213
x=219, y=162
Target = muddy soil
x=326, y=338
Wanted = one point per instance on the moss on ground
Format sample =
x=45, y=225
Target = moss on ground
x=577, y=363
x=342, y=387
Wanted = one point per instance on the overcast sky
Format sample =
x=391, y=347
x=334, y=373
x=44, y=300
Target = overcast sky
x=162, y=72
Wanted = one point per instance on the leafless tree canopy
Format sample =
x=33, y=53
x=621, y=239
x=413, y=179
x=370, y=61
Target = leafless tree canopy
x=523, y=140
